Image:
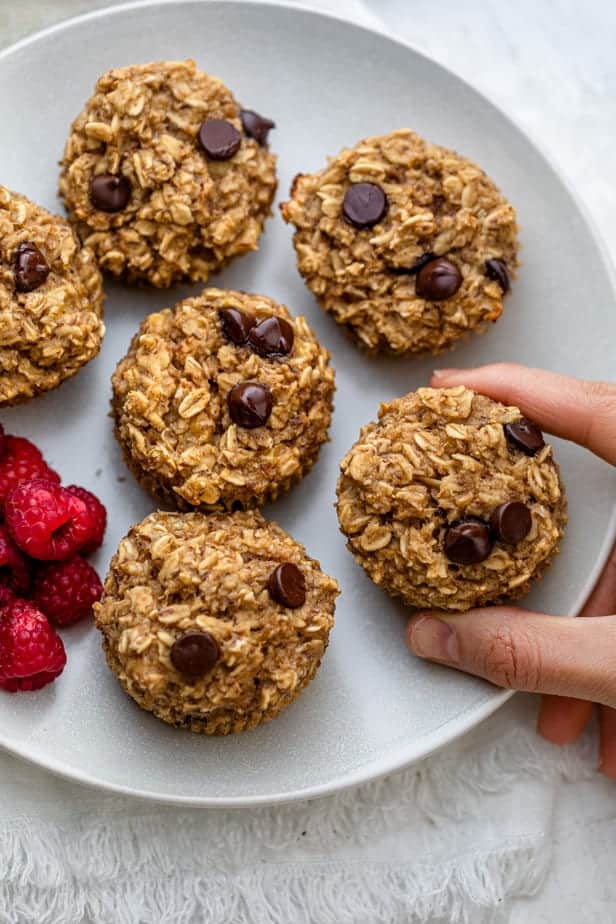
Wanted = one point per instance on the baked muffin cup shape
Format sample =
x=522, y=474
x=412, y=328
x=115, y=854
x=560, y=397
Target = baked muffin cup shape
x=51, y=300
x=406, y=244
x=200, y=627
x=223, y=401
x=451, y=500
x=164, y=176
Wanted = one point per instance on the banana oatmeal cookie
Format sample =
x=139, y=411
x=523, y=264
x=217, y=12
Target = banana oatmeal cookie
x=451, y=500
x=51, y=300
x=164, y=176
x=214, y=623
x=409, y=245
x=222, y=401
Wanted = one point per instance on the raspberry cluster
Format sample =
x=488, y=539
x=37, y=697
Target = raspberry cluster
x=45, y=530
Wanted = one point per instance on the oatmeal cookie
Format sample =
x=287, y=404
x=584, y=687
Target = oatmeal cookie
x=222, y=401
x=408, y=245
x=451, y=500
x=51, y=300
x=214, y=623
x=164, y=176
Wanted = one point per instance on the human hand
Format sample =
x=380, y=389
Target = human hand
x=572, y=662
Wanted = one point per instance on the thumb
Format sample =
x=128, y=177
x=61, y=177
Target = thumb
x=521, y=650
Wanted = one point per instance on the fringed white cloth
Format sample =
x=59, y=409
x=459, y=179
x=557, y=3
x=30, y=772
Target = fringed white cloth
x=500, y=828
x=454, y=840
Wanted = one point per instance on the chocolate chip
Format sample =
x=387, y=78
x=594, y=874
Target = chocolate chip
x=256, y=126
x=236, y=324
x=525, y=435
x=468, y=542
x=364, y=204
x=249, y=404
x=272, y=337
x=287, y=585
x=422, y=261
x=497, y=270
x=438, y=279
x=511, y=522
x=219, y=139
x=109, y=193
x=194, y=653
x=30, y=268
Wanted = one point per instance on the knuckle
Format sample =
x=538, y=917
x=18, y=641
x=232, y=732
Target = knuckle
x=600, y=425
x=603, y=393
x=602, y=678
x=511, y=660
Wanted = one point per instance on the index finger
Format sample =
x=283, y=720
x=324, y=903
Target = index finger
x=574, y=409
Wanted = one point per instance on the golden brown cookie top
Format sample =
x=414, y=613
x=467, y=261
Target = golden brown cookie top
x=422, y=492
x=407, y=243
x=51, y=300
x=193, y=619
x=162, y=178
x=224, y=398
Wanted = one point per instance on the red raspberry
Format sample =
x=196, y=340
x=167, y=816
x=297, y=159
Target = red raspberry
x=48, y=522
x=2, y=441
x=21, y=461
x=31, y=653
x=65, y=591
x=14, y=568
x=97, y=513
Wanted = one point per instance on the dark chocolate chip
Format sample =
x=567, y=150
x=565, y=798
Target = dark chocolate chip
x=249, y=404
x=235, y=324
x=256, y=126
x=525, y=435
x=497, y=270
x=364, y=204
x=422, y=261
x=219, y=139
x=30, y=268
x=194, y=653
x=287, y=585
x=468, y=542
x=109, y=193
x=438, y=279
x=272, y=337
x=511, y=522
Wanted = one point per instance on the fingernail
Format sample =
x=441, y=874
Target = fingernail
x=432, y=638
x=443, y=373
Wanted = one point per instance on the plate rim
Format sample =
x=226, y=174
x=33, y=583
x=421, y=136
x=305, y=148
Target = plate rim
x=471, y=718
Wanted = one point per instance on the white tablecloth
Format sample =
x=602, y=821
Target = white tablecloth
x=500, y=827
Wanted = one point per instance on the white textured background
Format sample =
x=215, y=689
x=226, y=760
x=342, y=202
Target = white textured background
x=551, y=64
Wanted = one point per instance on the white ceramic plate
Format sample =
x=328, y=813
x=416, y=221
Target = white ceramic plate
x=372, y=708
